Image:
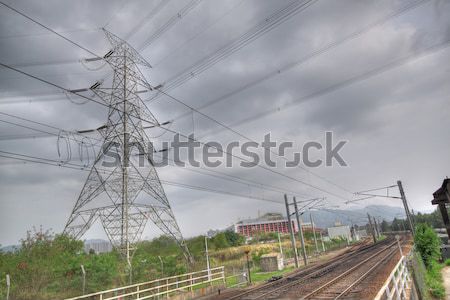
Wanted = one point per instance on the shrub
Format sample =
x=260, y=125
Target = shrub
x=427, y=243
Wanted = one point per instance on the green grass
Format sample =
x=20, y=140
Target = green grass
x=258, y=276
x=434, y=280
x=447, y=262
x=263, y=276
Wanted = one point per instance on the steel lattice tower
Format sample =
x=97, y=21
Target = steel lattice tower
x=127, y=194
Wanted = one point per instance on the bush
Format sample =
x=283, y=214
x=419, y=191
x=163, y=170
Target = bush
x=427, y=243
x=434, y=280
x=447, y=262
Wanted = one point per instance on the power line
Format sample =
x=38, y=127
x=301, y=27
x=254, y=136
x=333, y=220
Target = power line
x=266, y=25
x=252, y=140
x=48, y=28
x=162, y=29
x=276, y=16
x=332, y=45
x=425, y=51
x=310, y=56
x=49, y=33
x=45, y=161
x=328, y=47
x=173, y=50
x=234, y=178
x=170, y=23
x=358, y=78
x=175, y=132
x=257, y=165
x=147, y=18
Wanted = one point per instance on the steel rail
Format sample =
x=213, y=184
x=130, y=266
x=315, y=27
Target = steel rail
x=344, y=292
x=317, y=269
x=322, y=287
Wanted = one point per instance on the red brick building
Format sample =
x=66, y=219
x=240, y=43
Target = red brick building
x=270, y=222
x=252, y=228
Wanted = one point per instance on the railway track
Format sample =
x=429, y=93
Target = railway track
x=331, y=280
x=343, y=284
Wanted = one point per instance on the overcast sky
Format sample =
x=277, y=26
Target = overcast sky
x=393, y=112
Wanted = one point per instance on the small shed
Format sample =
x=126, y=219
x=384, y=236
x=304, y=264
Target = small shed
x=441, y=198
x=271, y=262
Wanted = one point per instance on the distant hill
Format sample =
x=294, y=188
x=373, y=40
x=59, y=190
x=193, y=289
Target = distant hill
x=10, y=248
x=97, y=245
x=329, y=217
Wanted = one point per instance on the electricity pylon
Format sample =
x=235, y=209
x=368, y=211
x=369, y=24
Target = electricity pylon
x=126, y=193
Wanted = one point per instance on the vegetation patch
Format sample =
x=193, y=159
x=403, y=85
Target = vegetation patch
x=427, y=244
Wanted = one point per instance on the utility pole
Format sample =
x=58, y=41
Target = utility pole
x=321, y=239
x=375, y=225
x=207, y=258
x=300, y=233
x=291, y=231
x=314, y=231
x=371, y=229
x=279, y=244
x=405, y=205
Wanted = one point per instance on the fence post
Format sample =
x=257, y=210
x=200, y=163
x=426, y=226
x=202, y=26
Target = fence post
x=8, y=284
x=84, y=279
x=138, y=294
x=167, y=287
x=223, y=277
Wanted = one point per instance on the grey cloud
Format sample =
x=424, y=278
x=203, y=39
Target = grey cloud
x=394, y=122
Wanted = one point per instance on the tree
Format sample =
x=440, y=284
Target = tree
x=385, y=226
x=234, y=239
x=219, y=241
x=427, y=243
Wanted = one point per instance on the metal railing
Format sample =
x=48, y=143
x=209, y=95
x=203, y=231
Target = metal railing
x=397, y=283
x=159, y=287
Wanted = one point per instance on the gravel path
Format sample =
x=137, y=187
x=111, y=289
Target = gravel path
x=446, y=276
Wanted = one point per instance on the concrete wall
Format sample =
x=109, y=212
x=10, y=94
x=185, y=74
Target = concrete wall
x=271, y=262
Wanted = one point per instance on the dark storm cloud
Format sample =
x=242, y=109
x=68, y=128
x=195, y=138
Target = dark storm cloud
x=393, y=121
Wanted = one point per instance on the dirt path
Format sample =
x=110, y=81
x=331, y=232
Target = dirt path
x=446, y=277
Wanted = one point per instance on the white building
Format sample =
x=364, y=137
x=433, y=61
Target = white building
x=339, y=231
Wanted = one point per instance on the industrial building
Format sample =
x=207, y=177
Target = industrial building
x=270, y=222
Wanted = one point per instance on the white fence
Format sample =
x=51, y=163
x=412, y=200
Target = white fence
x=160, y=287
x=396, y=285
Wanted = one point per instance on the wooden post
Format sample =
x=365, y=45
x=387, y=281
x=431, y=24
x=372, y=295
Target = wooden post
x=167, y=287
x=248, y=267
x=372, y=229
x=314, y=231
